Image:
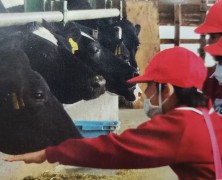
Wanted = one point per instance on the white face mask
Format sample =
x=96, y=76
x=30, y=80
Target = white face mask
x=150, y=109
x=218, y=74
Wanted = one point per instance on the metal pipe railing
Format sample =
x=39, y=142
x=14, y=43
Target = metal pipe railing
x=9, y=19
x=92, y=14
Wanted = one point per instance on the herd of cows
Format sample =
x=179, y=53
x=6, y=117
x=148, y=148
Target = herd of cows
x=44, y=65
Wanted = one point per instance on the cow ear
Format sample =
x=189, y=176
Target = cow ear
x=75, y=34
x=138, y=28
x=63, y=43
x=72, y=31
x=49, y=26
x=67, y=44
x=45, y=23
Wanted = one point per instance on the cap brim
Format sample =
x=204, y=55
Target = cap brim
x=139, y=79
x=205, y=29
x=214, y=49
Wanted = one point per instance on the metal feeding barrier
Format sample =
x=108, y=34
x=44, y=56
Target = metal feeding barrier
x=9, y=19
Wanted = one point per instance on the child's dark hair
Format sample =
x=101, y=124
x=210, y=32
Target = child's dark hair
x=190, y=97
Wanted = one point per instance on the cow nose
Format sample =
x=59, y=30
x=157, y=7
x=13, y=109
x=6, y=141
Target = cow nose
x=136, y=72
x=99, y=81
x=126, y=57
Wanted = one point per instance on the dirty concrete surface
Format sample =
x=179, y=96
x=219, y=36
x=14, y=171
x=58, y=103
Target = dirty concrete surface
x=129, y=118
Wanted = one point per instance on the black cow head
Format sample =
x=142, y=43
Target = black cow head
x=31, y=117
x=111, y=38
x=108, y=36
x=130, y=38
x=116, y=35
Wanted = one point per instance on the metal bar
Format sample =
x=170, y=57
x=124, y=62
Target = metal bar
x=9, y=19
x=92, y=14
x=182, y=41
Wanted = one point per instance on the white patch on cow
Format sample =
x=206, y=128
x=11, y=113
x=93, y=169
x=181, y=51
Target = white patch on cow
x=86, y=35
x=46, y=34
x=120, y=32
x=137, y=92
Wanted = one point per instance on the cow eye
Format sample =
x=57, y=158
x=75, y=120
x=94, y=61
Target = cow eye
x=39, y=95
x=94, y=48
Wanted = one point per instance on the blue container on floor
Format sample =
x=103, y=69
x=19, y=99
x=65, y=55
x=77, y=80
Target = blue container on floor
x=96, y=128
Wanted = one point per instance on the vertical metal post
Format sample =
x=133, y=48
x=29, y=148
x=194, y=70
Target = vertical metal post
x=52, y=5
x=108, y=4
x=65, y=10
x=56, y=5
x=121, y=9
x=92, y=3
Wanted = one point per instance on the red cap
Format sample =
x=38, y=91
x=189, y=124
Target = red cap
x=213, y=20
x=177, y=66
x=215, y=49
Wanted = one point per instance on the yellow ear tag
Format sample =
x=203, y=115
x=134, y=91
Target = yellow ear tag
x=74, y=45
x=117, y=51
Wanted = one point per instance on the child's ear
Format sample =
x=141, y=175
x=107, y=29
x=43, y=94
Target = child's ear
x=169, y=90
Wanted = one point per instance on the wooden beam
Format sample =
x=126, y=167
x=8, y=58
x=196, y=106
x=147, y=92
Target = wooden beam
x=177, y=20
x=191, y=2
x=182, y=41
x=191, y=15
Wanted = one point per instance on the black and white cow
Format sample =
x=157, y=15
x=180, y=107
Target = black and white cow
x=99, y=58
x=69, y=79
x=130, y=37
x=115, y=45
x=57, y=61
x=110, y=39
x=122, y=37
x=108, y=29
x=31, y=118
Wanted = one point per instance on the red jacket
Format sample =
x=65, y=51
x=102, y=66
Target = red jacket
x=179, y=139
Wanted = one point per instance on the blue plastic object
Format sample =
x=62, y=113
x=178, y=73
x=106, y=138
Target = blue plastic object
x=96, y=128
